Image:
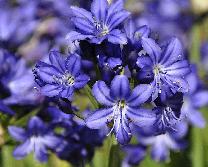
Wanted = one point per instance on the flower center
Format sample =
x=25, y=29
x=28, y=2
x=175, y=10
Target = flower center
x=101, y=28
x=157, y=69
x=121, y=104
x=66, y=79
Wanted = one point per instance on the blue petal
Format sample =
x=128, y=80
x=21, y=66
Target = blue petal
x=73, y=64
x=83, y=25
x=135, y=154
x=177, y=84
x=196, y=118
x=117, y=37
x=41, y=153
x=193, y=80
x=115, y=7
x=141, y=117
x=129, y=28
x=35, y=124
x=97, y=40
x=122, y=130
x=52, y=141
x=73, y=36
x=57, y=60
x=200, y=99
x=17, y=133
x=81, y=81
x=143, y=61
x=172, y=53
x=143, y=31
x=67, y=93
x=51, y=90
x=180, y=68
x=5, y=109
x=82, y=13
x=139, y=95
x=102, y=93
x=120, y=88
x=113, y=62
x=47, y=73
x=117, y=18
x=153, y=49
x=99, y=9
x=22, y=150
x=99, y=118
x=159, y=151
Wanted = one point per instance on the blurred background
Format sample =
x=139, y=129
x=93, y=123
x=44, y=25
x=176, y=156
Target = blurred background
x=31, y=28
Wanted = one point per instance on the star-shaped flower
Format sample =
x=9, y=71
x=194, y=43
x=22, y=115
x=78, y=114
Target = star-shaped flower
x=38, y=138
x=61, y=76
x=166, y=67
x=99, y=24
x=122, y=106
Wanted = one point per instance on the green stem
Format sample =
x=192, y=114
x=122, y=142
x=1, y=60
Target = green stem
x=95, y=105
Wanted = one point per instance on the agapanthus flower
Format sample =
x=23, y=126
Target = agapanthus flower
x=37, y=138
x=99, y=24
x=163, y=143
x=194, y=100
x=122, y=106
x=165, y=67
x=12, y=25
x=61, y=76
x=17, y=80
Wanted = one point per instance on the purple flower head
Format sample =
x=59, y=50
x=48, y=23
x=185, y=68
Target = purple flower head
x=99, y=24
x=162, y=144
x=18, y=80
x=194, y=100
x=164, y=67
x=122, y=106
x=61, y=76
x=36, y=138
x=12, y=25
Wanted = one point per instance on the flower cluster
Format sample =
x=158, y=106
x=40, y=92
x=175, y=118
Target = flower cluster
x=105, y=75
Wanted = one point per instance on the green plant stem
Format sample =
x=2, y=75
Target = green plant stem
x=88, y=90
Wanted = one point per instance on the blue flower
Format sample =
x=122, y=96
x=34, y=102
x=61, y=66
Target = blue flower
x=99, y=24
x=121, y=107
x=17, y=80
x=61, y=76
x=37, y=137
x=191, y=108
x=163, y=143
x=165, y=67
